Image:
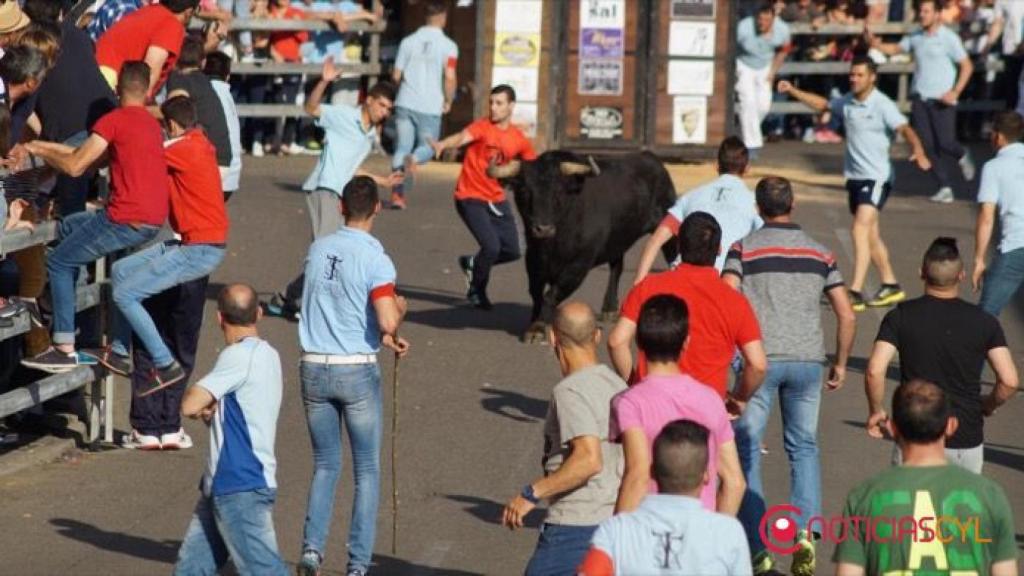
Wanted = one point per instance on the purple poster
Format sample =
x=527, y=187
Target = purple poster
x=601, y=43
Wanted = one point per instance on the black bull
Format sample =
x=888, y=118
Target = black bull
x=580, y=213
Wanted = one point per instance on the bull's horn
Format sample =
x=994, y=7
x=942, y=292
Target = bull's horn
x=507, y=170
x=593, y=165
x=575, y=168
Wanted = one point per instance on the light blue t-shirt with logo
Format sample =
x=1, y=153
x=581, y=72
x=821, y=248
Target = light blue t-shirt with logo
x=669, y=535
x=870, y=126
x=936, y=59
x=422, y=57
x=731, y=203
x=345, y=272
x=246, y=382
x=755, y=50
x=1001, y=184
x=346, y=145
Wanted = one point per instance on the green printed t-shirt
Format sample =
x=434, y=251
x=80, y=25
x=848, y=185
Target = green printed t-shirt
x=906, y=500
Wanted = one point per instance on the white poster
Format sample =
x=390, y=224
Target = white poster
x=524, y=80
x=518, y=16
x=602, y=14
x=525, y=117
x=600, y=78
x=695, y=39
x=689, y=120
x=695, y=77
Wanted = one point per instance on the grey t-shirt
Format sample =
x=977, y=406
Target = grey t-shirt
x=783, y=273
x=580, y=406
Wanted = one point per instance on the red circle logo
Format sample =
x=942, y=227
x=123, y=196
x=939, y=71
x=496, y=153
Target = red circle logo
x=778, y=529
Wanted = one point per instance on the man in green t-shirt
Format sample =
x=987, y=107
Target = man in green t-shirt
x=926, y=516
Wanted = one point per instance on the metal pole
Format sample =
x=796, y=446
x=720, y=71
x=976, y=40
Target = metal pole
x=394, y=457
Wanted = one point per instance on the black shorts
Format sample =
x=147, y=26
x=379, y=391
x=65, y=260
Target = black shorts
x=870, y=192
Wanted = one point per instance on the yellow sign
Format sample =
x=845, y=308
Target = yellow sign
x=516, y=49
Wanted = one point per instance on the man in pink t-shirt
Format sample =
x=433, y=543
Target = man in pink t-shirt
x=665, y=395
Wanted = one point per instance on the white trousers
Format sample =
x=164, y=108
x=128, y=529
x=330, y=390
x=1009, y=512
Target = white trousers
x=754, y=93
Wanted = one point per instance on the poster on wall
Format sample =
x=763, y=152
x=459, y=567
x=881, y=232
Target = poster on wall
x=519, y=15
x=516, y=49
x=523, y=80
x=603, y=14
x=696, y=77
x=600, y=78
x=601, y=122
x=602, y=43
x=694, y=39
x=689, y=120
x=693, y=9
x=524, y=115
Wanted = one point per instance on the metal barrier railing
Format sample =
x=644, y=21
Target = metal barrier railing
x=100, y=382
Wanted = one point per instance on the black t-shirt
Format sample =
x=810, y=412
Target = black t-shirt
x=209, y=110
x=946, y=341
x=75, y=73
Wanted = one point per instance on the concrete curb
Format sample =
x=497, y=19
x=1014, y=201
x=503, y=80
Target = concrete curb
x=43, y=450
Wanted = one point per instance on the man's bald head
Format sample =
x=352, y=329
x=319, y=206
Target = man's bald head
x=238, y=305
x=575, y=325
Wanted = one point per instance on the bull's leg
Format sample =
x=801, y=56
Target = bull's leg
x=536, y=274
x=568, y=280
x=610, y=307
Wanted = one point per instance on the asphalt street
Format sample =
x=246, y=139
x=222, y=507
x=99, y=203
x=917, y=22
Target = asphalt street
x=472, y=397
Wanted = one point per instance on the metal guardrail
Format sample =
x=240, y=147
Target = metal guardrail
x=101, y=383
x=276, y=68
x=291, y=24
x=886, y=28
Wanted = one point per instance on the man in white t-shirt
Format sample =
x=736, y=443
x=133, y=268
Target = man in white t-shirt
x=425, y=73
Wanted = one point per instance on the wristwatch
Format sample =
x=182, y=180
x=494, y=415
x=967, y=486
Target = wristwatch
x=528, y=494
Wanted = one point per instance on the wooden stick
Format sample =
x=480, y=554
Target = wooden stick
x=394, y=458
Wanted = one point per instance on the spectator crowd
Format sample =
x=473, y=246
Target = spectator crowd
x=651, y=465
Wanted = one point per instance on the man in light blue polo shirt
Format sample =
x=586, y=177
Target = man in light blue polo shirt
x=424, y=58
x=350, y=133
x=726, y=198
x=671, y=532
x=1000, y=190
x=240, y=399
x=761, y=46
x=871, y=121
x=938, y=52
x=349, y=309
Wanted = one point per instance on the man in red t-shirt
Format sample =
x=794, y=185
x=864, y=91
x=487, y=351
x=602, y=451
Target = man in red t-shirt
x=199, y=217
x=721, y=319
x=135, y=210
x=152, y=34
x=479, y=199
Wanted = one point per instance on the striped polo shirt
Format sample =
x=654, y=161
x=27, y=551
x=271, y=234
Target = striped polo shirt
x=783, y=273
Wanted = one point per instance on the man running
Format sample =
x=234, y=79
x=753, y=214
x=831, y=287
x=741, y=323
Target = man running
x=942, y=70
x=761, y=40
x=480, y=199
x=871, y=119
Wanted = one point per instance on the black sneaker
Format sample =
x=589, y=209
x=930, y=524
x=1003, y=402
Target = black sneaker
x=10, y=309
x=857, y=301
x=887, y=295
x=32, y=307
x=280, y=307
x=110, y=360
x=479, y=301
x=466, y=265
x=161, y=378
x=54, y=361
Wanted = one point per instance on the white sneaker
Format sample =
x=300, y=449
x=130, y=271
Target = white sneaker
x=257, y=150
x=943, y=196
x=137, y=441
x=967, y=166
x=176, y=440
x=293, y=149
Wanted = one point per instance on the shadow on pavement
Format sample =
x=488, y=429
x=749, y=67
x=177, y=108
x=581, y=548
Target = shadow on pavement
x=399, y=567
x=165, y=551
x=860, y=365
x=490, y=512
x=506, y=403
x=1012, y=460
x=505, y=317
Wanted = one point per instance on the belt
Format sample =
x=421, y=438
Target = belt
x=337, y=360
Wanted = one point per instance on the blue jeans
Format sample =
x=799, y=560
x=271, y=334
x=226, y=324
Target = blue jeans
x=148, y=272
x=238, y=9
x=239, y=524
x=560, y=550
x=84, y=238
x=799, y=387
x=349, y=395
x=414, y=132
x=1002, y=280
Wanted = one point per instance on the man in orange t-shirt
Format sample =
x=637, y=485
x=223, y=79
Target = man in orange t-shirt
x=479, y=199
